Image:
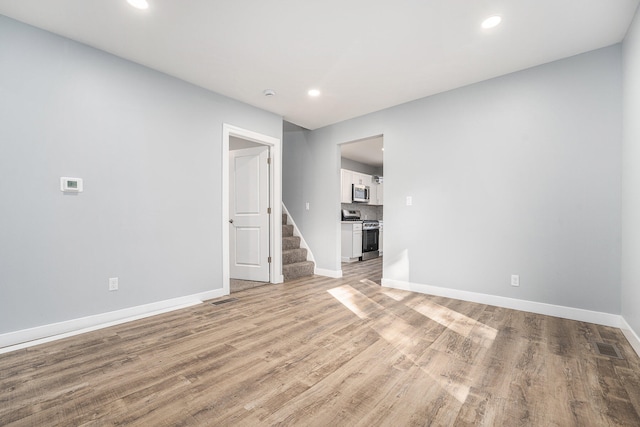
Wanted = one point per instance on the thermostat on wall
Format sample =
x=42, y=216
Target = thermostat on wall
x=70, y=185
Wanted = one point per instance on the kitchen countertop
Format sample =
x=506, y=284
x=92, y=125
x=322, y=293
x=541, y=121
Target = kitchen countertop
x=350, y=222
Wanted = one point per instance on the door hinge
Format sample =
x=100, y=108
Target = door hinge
x=269, y=260
x=269, y=211
x=268, y=160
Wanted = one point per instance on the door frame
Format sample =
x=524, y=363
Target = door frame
x=275, y=201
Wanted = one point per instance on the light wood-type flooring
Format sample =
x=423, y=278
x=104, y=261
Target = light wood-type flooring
x=237, y=285
x=327, y=352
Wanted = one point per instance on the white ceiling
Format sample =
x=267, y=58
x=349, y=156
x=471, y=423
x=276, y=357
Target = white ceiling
x=367, y=151
x=364, y=55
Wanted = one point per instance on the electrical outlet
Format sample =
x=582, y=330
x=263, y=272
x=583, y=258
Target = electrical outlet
x=113, y=283
x=515, y=280
x=409, y=200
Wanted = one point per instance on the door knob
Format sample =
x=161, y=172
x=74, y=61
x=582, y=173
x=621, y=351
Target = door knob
x=230, y=221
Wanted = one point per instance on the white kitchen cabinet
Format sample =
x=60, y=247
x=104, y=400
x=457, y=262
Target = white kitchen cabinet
x=346, y=179
x=351, y=243
x=373, y=191
x=379, y=194
x=361, y=178
x=376, y=192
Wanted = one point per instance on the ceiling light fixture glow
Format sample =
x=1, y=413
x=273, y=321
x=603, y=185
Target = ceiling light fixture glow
x=314, y=92
x=139, y=4
x=491, y=22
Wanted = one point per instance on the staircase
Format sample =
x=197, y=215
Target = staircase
x=294, y=258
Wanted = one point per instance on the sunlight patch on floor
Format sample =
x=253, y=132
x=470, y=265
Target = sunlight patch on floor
x=396, y=294
x=345, y=294
x=404, y=337
x=476, y=331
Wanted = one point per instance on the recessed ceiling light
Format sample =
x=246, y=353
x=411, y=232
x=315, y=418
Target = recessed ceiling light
x=491, y=22
x=314, y=92
x=139, y=4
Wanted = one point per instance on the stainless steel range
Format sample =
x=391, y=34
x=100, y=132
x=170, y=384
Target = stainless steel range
x=370, y=233
x=370, y=239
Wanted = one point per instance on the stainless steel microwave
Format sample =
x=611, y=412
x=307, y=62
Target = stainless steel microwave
x=360, y=193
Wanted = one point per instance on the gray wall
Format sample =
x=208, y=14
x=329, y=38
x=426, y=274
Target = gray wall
x=295, y=154
x=352, y=165
x=148, y=147
x=631, y=178
x=516, y=175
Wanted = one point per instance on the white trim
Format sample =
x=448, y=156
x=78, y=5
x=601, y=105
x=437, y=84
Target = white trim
x=630, y=334
x=579, y=314
x=335, y=274
x=42, y=334
x=275, y=195
x=296, y=232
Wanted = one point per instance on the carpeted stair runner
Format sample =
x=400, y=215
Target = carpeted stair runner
x=294, y=258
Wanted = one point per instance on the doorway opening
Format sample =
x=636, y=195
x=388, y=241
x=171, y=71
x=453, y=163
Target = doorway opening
x=252, y=200
x=362, y=202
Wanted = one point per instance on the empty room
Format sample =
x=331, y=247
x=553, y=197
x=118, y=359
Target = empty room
x=250, y=213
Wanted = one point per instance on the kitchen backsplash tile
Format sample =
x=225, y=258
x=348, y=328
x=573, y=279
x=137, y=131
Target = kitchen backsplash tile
x=366, y=211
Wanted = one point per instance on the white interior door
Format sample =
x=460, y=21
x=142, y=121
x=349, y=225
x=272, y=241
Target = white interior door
x=248, y=214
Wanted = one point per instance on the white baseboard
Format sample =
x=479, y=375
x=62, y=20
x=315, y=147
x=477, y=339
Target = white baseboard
x=630, y=334
x=335, y=274
x=579, y=314
x=24, y=338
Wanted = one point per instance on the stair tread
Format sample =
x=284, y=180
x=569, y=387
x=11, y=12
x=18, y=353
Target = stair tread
x=287, y=230
x=291, y=242
x=298, y=270
x=291, y=256
x=301, y=263
x=294, y=258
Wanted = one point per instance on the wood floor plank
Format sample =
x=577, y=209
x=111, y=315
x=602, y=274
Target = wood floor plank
x=319, y=351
